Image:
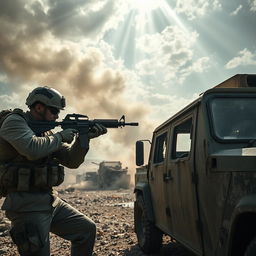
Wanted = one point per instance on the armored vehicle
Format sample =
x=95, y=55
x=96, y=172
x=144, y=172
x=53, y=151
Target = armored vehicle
x=199, y=185
x=92, y=177
x=112, y=175
x=88, y=176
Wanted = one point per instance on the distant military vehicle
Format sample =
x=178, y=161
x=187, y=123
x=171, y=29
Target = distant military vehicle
x=91, y=176
x=88, y=176
x=112, y=175
x=199, y=186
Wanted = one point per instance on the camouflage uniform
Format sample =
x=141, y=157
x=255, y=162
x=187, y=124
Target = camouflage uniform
x=36, y=212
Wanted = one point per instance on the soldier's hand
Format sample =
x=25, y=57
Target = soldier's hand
x=96, y=131
x=68, y=135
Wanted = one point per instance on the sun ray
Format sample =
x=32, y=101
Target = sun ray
x=123, y=39
x=144, y=6
x=144, y=17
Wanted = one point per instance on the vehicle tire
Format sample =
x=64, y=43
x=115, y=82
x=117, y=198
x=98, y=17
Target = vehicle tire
x=148, y=235
x=251, y=248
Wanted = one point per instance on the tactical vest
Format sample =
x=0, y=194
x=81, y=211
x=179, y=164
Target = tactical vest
x=19, y=174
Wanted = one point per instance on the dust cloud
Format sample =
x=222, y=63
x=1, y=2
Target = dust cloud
x=31, y=54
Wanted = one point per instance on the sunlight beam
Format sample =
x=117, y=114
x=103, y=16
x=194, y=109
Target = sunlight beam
x=144, y=6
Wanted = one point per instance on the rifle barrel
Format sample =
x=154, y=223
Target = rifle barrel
x=132, y=124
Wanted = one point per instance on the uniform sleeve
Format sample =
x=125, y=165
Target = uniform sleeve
x=16, y=131
x=71, y=156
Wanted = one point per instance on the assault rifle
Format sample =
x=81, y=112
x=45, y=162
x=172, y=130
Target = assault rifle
x=79, y=122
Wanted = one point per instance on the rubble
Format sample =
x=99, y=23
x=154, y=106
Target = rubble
x=112, y=212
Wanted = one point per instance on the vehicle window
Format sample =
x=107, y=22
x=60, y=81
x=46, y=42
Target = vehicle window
x=182, y=140
x=160, y=148
x=234, y=118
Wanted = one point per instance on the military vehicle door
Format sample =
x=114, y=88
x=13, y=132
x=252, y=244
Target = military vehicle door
x=181, y=184
x=157, y=171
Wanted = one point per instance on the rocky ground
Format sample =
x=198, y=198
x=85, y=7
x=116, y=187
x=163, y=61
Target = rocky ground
x=112, y=211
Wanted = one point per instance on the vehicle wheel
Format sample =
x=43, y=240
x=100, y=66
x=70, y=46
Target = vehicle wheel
x=251, y=248
x=148, y=235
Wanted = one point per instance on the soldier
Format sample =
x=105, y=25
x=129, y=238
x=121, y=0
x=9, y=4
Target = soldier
x=30, y=165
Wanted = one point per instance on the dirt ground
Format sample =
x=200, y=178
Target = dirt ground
x=112, y=211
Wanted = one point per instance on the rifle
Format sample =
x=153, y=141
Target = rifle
x=78, y=122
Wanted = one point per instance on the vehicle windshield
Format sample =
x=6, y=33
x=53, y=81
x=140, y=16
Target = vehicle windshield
x=234, y=118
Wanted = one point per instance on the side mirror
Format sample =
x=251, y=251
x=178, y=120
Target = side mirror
x=139, y=153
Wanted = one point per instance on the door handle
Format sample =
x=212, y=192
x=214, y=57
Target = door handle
x=167, y=177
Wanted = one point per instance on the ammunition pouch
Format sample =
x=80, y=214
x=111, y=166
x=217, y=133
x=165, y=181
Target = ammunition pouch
x=27, y=178
x=27, y=238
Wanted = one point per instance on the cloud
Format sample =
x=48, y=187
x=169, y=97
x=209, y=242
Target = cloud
x=62, y=18
x=252, y=5
x=199, y=66
x=237, y=10
x=35, y=50
x=245, y=58
x=89, y=85
x=171, y=47
x=10, y=101
x=78, y=18
x=49, y=60
x=196, y=8
x=170, y=54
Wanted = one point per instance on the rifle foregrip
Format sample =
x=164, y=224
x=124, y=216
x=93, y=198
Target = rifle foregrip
x=84, y=140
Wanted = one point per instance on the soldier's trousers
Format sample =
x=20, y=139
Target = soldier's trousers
x=30, y=230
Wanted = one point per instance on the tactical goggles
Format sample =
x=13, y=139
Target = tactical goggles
x=53, y=110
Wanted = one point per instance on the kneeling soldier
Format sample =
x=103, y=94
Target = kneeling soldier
x=30, y=165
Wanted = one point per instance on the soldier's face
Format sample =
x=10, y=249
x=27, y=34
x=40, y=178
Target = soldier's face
x=51, y=114
x=45, y=113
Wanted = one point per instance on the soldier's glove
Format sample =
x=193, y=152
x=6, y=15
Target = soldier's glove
x=68, y=135
x=96, y=131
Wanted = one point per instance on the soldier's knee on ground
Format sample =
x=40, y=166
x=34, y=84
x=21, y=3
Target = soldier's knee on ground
x=93, y=229
x=87, y=231
x=27, y=238
x=90, y=229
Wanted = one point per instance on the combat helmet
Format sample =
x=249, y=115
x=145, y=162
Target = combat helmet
x=46, y=95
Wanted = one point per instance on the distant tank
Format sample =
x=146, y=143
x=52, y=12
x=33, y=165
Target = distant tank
x=112, y=175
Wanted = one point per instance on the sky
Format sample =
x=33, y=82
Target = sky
x=146, y=59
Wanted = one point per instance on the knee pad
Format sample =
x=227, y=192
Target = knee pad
x=27, y=238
